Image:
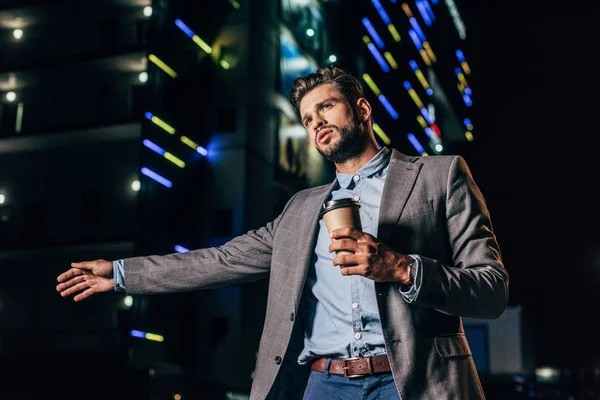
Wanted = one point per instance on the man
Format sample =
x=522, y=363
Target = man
x=383, y=322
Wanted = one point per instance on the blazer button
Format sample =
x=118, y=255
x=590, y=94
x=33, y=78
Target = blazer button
x=291, y=316
x=277, y=360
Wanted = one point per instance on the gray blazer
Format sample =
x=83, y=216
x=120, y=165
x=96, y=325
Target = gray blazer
x=430, y=206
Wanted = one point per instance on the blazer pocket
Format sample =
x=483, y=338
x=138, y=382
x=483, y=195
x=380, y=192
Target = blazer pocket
x=417, y=209
x=452, y=345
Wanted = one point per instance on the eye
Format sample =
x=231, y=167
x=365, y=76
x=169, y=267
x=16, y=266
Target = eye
x=307, y=121
x=326, y=106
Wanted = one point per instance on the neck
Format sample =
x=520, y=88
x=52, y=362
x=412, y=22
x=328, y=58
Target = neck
x=352, y=165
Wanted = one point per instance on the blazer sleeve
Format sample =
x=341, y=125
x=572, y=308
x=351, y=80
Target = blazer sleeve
x=476, y=284
x=245, y=258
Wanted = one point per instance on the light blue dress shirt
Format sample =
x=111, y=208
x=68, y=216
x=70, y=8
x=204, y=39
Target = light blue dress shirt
x=339, y=313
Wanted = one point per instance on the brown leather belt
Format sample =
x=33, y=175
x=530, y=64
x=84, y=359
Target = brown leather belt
x=353, y=367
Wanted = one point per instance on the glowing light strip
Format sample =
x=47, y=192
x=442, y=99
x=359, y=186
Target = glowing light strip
x=235, y=4
x=181, y=249
x=193, y=145
x=159, y=122
x=430, y=133
x=160, y=64
x=428, y=9
x=425, y=57
x=429, y=51
x=378, y=57
x=381, y=12
x=469, y=136
x=460, y=87
x=417, y=29
x=388, y=106
x=415, y=39
x=224, y=64
x=461, y=77
x=394, y=32
x=390, y=59
x=463, y=62
x=415, y=67
x=423, y=13
x=468, y=124
x=416, y=144
x=145, y=335
x=371, y=84
x=456, y=19
x=425, y=114
x=164, y=153
x=151, y=174
x=422, y=121
x=373, y=32
x=407, y=11
x=467, y=100
x=193, y=36
x=381, y=134
x=19, y=118
x=436, y=129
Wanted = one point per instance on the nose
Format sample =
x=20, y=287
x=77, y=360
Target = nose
x=318, y=123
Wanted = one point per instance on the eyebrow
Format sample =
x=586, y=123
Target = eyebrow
x=317, y=106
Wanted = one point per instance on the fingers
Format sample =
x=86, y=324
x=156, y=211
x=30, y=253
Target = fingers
x=69, y=274
x=343, y=244
x=345, y=232
x=75, y=288
x=346, y=260
x=84, y=295
x=88, y=265
x=67, y=284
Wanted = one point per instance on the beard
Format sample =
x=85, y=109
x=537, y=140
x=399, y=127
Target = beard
x=350, y=145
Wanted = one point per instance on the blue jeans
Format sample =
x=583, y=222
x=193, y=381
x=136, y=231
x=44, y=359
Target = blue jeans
x=325, y=386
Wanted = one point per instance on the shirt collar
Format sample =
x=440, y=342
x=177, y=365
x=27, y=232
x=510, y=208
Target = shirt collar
x=377, y=163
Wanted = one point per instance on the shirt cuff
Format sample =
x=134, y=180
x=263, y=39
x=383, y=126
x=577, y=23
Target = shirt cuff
x=119, y=275
x=410, y=293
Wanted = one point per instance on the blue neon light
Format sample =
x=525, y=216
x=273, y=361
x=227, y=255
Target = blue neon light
x=149, y=115
x=413, y=64
x=416, y=143
x=415, y=39
x=181, y=249
x=184, y=28
x=407, y=85
x=467, y=121
x=457, y=71
x=429, y=92
x=467, y=100
x=423, y=13
x=468, y=91
x=154, y=147
x=151, y=174
x=381, y=12
x=136, y=333
x=428, y=9
x=425, y=114
x=430, y=133
x=417, y=28
x=435, y=2
x=460, y=55
x=202, y=150
x=388, y=106
x=373, y=32
x=378, y=57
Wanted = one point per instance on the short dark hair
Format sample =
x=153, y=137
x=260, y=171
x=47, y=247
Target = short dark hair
x=342, y=80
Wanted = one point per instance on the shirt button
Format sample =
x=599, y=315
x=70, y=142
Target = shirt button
x=357, y=335
x=355, y=305
x=277, y=360
x=357, y=198
x=356, y=178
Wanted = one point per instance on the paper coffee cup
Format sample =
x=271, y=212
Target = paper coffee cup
x=341, y=213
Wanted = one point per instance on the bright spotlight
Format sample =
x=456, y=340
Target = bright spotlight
x=135, y=186
x=439, y=147
x=332, y=58
x=148, y=11
x=143, y=76
x=2, y=199
x=310, y=32
x=17, y=34
x=11, y=96
x=128, y=301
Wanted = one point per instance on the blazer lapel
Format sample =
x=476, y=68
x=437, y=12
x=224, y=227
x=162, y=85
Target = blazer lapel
x=401, y=177
x=309, y=232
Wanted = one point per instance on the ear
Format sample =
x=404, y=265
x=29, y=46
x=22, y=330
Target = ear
x=364, y=109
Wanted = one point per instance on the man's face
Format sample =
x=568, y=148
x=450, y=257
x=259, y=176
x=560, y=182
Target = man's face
x=332, y=126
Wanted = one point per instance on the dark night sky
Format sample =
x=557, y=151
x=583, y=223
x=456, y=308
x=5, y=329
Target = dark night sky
x=534, y=159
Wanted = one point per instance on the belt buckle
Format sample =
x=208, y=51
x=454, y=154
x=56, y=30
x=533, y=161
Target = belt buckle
x=345, y=367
